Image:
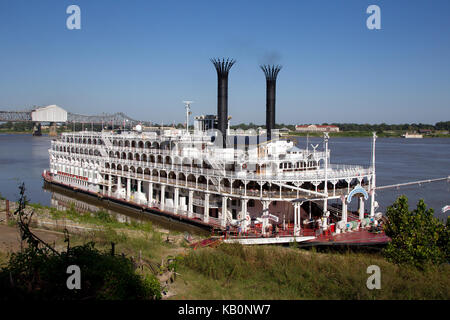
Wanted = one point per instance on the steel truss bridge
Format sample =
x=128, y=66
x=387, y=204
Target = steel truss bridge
x=16, y=116
x=118, y=118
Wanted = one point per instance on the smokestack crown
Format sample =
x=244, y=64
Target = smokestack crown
x=271, y=71
x=224, y=66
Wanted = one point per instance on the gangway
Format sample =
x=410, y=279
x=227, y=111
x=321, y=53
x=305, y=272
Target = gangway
x=412, y=183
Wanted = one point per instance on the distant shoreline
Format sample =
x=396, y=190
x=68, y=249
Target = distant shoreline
x=20, y=132
x=342, y=134
x=362, y=134
x=15, y=132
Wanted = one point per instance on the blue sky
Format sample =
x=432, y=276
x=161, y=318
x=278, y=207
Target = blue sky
x=144, y=57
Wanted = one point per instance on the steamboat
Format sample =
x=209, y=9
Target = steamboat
x=252, y=186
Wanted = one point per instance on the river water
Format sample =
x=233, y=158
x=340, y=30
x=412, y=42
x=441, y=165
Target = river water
x=398, y=160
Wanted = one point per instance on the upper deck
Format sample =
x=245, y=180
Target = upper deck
x=278, y=161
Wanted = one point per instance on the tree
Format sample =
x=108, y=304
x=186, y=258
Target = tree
x=443, y=125
x=39, y=272
x=418, y=238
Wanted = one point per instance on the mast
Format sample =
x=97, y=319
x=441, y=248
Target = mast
x=325, y=189
x=188, y=112
x=373, y=184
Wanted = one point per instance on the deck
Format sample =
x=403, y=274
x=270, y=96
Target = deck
x=254, y=236
x=361, y=237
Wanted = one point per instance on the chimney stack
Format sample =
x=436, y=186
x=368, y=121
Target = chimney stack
x=222, y=67
x=271, y=72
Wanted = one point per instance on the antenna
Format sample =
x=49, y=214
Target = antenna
x=188, y=112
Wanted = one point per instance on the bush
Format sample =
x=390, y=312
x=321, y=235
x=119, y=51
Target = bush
x=40, y=272
x=418, y=238
x=41, y=275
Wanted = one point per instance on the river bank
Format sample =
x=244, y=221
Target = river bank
x=237, y=272
x=44, y=132
x=18, y=132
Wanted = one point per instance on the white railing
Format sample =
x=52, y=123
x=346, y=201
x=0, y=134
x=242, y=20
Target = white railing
x=275, y=194
x=335, y=172
x=207, y=154
x=201, y=203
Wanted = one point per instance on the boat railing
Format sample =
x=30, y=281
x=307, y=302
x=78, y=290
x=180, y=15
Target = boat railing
x=227, y=191
x=334, y=172
x=206, y=154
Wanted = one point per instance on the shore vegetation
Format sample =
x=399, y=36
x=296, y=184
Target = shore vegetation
x=145, y=252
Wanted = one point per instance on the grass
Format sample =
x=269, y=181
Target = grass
x=98, y=218
x=151, y=246
x=36, y=205
x=3, y=258
x=233, y=271
x=269, y=272
x=130, y=236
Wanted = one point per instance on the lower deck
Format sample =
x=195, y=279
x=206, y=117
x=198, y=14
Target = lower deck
x=258, y=231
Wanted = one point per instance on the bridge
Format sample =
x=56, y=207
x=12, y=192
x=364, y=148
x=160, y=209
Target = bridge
x=55, y=114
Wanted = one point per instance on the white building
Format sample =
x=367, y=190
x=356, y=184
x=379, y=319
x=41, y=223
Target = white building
x=51, y=113
x=316, y=128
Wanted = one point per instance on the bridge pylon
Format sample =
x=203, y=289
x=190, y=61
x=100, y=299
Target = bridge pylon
x=37, y=129
x=52, y=132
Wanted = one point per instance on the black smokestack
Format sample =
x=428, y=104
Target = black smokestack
x=222, y=67
x=271, y=72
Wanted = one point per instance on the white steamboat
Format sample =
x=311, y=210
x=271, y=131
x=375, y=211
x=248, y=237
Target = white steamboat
x=244, y=181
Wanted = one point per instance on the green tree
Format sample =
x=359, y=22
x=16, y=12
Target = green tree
x=39, y=271
x=443, y=125
x=41, y=275
x=418, y=238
